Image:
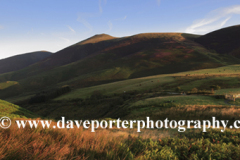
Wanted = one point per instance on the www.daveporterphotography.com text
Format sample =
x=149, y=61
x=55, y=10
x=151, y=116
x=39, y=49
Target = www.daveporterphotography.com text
x=181, y=125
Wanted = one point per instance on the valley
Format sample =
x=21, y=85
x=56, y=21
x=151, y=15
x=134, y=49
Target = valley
x=159, y=75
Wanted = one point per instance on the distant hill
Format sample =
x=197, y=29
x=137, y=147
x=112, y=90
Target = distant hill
x=18, y=62
x=103, y=49
x=103, y=59
x=223, y=41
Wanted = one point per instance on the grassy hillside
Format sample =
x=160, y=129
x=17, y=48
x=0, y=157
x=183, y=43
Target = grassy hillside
x=13, y=111
x=224, y=41
x=145, y=96
x=21, y=61
x=180, y=101
x=7, y=84
x=103, y=59
x=228, y=91
x=226, y=77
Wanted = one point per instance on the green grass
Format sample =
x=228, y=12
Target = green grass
x=196, y=79
x=228, y=91
x=138, y=84
x=180, y=101
x=206, y=83
x=19, y=98
x=13, y=111
x=7, y=84
x=237, y=102
x=225, y=70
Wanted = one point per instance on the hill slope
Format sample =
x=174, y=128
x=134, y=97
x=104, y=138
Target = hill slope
x=224, y=41
x=13, y=111
x=78, y=51
x=21, y=61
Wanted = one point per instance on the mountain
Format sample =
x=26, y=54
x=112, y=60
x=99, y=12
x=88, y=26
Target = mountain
x=18, y=62
x=223, y=41
x=153, y=48
x=103, y=59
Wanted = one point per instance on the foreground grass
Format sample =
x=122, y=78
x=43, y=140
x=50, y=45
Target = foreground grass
x=82, y=144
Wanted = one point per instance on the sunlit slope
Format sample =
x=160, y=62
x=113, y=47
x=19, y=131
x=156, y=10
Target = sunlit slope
x=7, y=84
x=13, y=111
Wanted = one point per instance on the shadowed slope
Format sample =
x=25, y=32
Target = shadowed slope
x=21, y=61
x=224, y=41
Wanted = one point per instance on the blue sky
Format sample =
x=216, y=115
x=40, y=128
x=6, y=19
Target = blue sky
x=33, y=25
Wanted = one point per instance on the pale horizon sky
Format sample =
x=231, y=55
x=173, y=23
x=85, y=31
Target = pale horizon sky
x=51, y=25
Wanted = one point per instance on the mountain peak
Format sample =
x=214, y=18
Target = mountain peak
x=101, y=35
x=97, y=38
